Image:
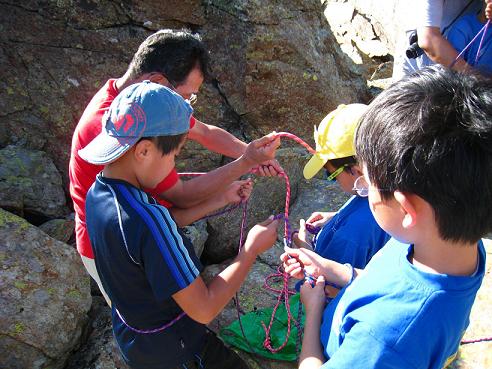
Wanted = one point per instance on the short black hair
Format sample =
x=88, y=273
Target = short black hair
x=430, y=134
x=173, y=53
x=167, y=144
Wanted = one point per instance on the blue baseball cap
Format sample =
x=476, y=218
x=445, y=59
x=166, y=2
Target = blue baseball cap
x=144, y=109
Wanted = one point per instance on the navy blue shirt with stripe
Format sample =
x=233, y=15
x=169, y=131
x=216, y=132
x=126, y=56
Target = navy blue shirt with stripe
x=143, y=259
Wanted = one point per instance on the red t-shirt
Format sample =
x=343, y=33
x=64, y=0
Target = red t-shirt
x=82, y=174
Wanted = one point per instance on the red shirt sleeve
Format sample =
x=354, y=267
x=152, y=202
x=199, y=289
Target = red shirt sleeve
x=192, y=121
x=166, y=184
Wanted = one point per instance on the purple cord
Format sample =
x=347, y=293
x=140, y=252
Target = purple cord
x=481, y=41
x=484, y=30
x=149, y=331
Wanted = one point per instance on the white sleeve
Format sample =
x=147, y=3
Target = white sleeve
x=429, y=13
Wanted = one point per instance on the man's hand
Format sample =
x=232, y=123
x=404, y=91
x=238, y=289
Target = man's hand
x=262, y=236
x=238, y=191
x=261, y=150
x=269, y=168
x=319, y=218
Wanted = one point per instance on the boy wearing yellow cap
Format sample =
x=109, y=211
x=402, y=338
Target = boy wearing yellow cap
x=350, y=235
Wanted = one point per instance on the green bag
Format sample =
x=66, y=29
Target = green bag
x=255, y=333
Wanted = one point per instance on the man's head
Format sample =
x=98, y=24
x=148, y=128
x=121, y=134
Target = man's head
x=174, y=55
x=335, y=146
x=430, y=135
x=144, y=116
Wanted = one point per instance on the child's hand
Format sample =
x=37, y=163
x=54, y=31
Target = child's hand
x=262, y=149
x=301, y=238
x=238, y=191
x=295, y=261
x=313, y=298
x=262, y=236
x=319, y=219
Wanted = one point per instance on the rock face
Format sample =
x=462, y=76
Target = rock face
x=275, y=65
x=44, y=294
x=367, y=31
x=30, y=184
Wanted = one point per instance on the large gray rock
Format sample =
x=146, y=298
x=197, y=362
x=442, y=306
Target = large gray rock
x=367, y=31
x=60, y=229
x=197, y=233
x=44, y=294
x=275, y=65
x=30, y=183
x=268, y=198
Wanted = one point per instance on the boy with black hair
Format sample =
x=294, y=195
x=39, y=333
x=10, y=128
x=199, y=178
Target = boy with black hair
x=425, y=147
x=160, y=304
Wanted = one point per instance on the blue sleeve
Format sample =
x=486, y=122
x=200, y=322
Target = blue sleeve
x=169, y=261
x=459, y=34
x=361, y=349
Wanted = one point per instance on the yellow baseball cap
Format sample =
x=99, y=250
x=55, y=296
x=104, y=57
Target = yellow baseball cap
x=335, y=137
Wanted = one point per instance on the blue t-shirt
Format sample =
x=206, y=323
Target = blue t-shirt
x=397, y=316
x=352, y=235
x=462, y=32
x=142, y=260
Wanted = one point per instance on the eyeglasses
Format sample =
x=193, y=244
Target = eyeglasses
x=191, y=100
x=336, y=173
x=361, y=187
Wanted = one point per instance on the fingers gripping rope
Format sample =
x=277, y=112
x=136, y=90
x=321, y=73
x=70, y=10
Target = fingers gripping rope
x=283, y=293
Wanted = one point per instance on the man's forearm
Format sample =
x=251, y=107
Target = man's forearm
x=439, y=50
x=217, y=140
x=184, y=217
x=191, y=193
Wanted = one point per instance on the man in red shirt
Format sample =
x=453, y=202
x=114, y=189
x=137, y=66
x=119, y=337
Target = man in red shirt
x=178, y=60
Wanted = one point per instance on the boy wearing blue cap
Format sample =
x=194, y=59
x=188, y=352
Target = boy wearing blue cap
x=425, y=148
x=160, y=304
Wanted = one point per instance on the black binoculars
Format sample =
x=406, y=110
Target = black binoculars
x=414, y=50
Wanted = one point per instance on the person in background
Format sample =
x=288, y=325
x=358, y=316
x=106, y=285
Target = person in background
x=463, y=32
x=424, y=42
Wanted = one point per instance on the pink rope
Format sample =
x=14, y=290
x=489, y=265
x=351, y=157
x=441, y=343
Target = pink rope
x=476, y=340
x=296, y=139
x=284, y=292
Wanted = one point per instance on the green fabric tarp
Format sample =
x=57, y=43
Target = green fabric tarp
x=255, y=333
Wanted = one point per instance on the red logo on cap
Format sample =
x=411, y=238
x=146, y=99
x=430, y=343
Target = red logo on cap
x=131, y=122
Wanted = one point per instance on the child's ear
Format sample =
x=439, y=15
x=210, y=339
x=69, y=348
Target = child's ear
x=357, y=171
x=407, y=204
x=142, y=150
